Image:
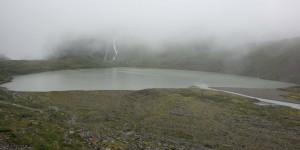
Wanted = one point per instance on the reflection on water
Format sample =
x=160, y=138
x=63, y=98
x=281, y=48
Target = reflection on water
x=132, y=79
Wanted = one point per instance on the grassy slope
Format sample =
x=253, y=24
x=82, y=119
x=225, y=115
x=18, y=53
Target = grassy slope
x=154, y=118
x=19, y=67
x=275, y=60
x=175, y=59
x=293, y=93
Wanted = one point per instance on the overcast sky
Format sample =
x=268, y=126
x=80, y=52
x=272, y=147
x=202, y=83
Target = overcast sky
x=29, y=27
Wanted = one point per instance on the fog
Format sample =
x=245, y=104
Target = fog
x=30, y=29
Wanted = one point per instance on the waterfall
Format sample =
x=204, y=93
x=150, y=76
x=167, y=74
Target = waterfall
x=115, y=49
x=107, y=50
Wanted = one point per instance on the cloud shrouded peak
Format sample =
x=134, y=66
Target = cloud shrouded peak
x=29, y=27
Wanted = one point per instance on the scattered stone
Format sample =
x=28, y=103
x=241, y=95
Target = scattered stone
x=71, y=132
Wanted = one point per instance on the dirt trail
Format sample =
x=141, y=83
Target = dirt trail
x=21, y=106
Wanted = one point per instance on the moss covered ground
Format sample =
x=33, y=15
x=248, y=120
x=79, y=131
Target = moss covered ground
x=146, y=119
x=293, y=93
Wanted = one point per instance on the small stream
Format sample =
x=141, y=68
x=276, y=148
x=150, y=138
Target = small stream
x=264, y=101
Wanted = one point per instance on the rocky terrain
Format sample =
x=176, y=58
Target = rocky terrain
x=146, y=119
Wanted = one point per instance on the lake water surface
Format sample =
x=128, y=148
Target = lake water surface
x=132, y=79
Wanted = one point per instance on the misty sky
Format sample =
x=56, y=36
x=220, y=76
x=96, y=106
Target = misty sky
x=30, y=28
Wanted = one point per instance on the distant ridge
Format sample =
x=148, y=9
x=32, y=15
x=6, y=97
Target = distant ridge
x=3, y=57
x=273, y=60
x=278, y=60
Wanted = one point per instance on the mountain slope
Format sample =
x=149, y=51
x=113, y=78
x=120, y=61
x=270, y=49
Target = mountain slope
x=274, y=60
x=279, y=60
x=3, y=57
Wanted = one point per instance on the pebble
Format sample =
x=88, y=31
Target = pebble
x=71, y=132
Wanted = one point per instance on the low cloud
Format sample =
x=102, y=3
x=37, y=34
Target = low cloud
x=29, y=29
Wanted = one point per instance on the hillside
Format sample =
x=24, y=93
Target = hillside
x=278, y=60
x=273, y=60
x=3, y=57
x=9, y=68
